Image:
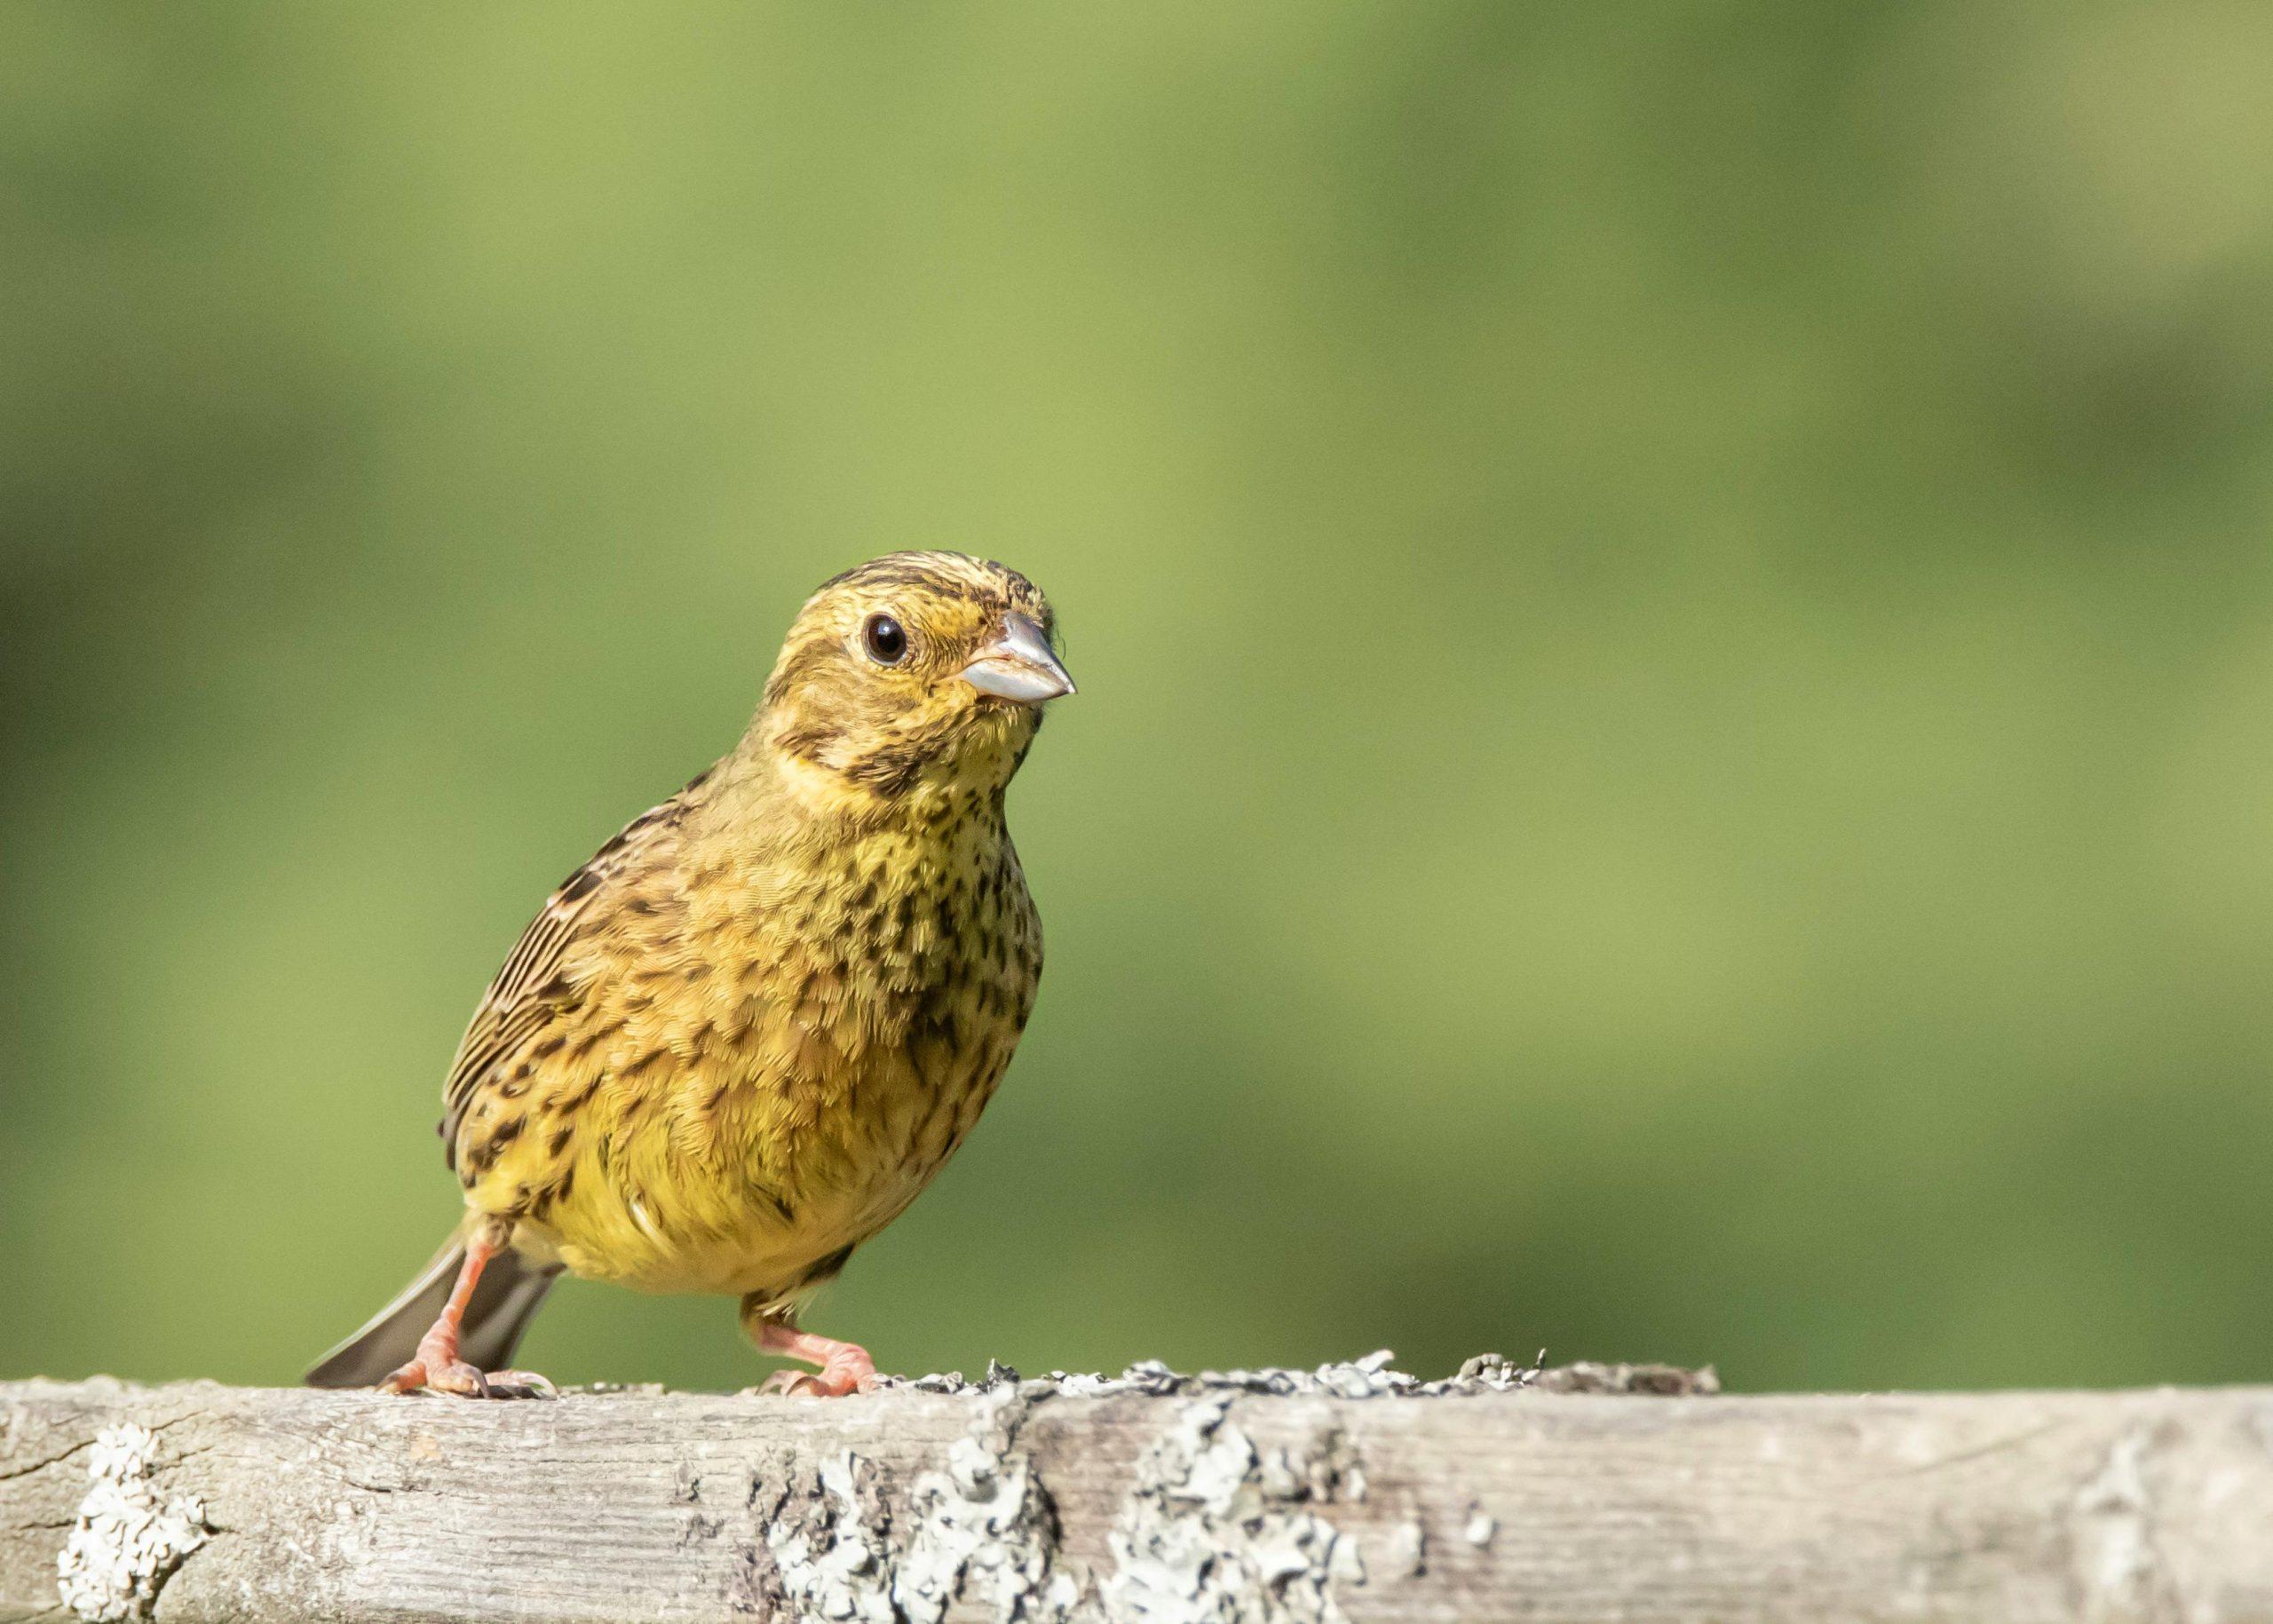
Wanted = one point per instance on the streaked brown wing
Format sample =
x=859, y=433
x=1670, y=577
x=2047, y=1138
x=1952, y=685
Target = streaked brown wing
x=529, y=990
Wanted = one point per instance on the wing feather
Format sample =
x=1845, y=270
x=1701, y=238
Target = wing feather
x=530, y=990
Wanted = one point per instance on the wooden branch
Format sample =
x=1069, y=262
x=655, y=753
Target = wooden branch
x=218, y=1503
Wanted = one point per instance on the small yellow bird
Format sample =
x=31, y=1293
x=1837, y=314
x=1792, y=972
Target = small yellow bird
x=742, y=1038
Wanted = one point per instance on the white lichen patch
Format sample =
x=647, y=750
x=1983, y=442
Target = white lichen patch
x=831, y=1549
x=127, y=1541
x=984, y=1530
x=1408, y=1548
x=1373, y=1377
x=1216, y=1528
x=1219, y=1530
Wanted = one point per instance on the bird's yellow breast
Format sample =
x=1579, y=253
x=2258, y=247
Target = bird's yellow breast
x=769, y=1054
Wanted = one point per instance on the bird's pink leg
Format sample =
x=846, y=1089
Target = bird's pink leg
x=845, y=1367
x=436, y=1367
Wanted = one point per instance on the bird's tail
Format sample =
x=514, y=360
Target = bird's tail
x=505, y=1301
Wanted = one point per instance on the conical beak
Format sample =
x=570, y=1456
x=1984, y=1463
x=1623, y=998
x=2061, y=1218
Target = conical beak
x=1018, y=665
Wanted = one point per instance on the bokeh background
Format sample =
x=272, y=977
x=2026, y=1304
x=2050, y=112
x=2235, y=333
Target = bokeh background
x=1674, y=601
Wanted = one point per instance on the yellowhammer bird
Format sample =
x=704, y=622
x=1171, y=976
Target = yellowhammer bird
x=738, y=1041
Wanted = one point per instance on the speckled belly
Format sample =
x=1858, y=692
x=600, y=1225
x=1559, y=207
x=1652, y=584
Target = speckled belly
x=753, y=1189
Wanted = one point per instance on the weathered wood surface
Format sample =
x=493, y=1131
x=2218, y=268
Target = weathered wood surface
x=2006, y=1509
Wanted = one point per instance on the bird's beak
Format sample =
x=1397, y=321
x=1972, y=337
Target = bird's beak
x=1018, y=665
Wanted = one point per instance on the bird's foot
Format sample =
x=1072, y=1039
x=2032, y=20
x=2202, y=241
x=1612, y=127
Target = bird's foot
x=845, y=1367
x=436, y=1368
x=461, y=1380
x=426, y=1373
x=825, y=1383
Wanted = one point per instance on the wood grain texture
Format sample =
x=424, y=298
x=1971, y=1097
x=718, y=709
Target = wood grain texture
x=2011, y=1508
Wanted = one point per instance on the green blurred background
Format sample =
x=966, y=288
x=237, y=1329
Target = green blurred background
x=1674, y=605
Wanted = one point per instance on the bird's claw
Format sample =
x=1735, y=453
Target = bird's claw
x=433, y=1374
x=460, y=1380
x=519, y=1384
x=832, y=1381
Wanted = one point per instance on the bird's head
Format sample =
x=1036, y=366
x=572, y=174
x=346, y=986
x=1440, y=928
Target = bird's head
x=916, y=676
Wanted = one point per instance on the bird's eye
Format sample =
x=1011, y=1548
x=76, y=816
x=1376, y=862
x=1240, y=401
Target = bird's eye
x=886, y=639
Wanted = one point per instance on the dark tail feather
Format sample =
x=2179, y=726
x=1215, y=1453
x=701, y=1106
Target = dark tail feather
x=505, y=1301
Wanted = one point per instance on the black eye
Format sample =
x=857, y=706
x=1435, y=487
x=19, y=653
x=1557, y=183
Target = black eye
x=886, y=639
